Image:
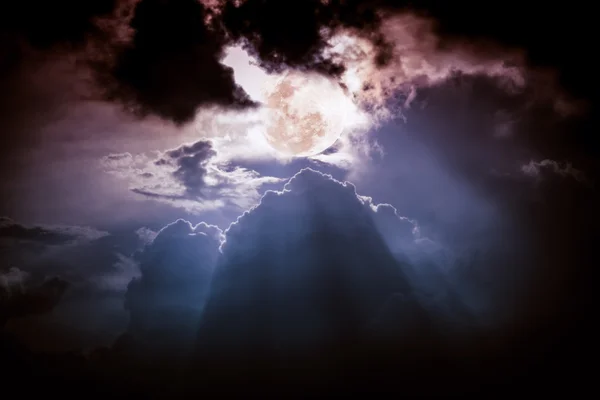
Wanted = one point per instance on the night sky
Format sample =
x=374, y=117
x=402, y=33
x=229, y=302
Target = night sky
x=297, y=197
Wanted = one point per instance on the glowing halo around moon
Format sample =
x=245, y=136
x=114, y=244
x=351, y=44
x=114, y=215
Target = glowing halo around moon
x=305, y=114
x=301, y=114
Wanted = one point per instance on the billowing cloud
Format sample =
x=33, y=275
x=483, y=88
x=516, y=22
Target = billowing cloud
x=171, y=66
x=397, y=230
x=413, y=59
x=177, y=263
x=281, y=36
x=176, y=269
x=189, y=177
x=293, y=276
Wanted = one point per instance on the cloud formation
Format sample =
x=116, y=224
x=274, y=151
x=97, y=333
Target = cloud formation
x=93, y=268
x=279, y=40
x=396, y=228
x=176, y=269
x=292, y=277
x=189, y=177
x=45, y=250
x=46, y=234
x=171, y=65
x=413, y=59
x=42, y=250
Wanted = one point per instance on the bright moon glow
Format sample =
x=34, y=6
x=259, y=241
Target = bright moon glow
x=303, y=114
x=306, y=114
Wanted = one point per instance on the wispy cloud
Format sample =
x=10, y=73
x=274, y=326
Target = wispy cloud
x=190, y=176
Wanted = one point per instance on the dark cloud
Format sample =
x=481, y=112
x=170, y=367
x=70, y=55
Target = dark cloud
x=176, y=268
x=561, y=49
x=293, y=279
x=295, y=34
x=11, y=230
x=27, y=246
x=22, y=297
x=171, y=67
x=281, y=35
x=19, y=297
x=272, y=26
x=37, y=248
x=97, y=267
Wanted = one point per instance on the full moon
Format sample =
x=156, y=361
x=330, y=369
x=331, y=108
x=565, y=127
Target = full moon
x=306, y=114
